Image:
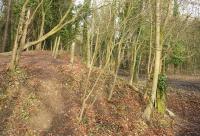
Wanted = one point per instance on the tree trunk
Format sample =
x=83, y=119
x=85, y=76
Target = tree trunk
x=72, y=52
x=18, y=36
x=149, y=108
x=39, y=46
x=56, y=47
x=133, y=62
x=137, y=71
x=88, y=51
x=150, y=44
x=7, y=24
x=23, y=38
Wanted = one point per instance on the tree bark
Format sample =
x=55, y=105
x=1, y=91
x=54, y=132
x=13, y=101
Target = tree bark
x=7, y=24
x=39, y=46
x=148, y=110
x=150, y=43
x=72, y=52
x=133, y=62
x=18, y=37
x=24, y=36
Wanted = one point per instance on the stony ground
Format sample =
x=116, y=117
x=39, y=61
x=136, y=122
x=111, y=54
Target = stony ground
x=44, y=98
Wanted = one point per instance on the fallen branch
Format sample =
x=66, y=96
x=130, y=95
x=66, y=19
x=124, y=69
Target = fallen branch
x=6, y=53
x=134, y=87
x=170, y=113
x=131, y=86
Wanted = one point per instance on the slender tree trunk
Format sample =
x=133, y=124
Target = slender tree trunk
x=137, y=71
x=18, y=37
x=23, y=38
x=72, y=52
x=7, y=24
x=56, y=47
x=119, y=58
x=150, y=45
x=148, y=110
x=133, y=62
x=88, y=51
x=134, y=56
x=86, y=35
x=39, y=46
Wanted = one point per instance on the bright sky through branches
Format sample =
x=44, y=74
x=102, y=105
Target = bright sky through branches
x=190, y=7
x=187, y=7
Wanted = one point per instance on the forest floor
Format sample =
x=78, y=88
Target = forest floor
x=184, y=100
x=44, y=98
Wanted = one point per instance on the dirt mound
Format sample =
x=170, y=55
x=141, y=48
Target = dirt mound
x=44, y=98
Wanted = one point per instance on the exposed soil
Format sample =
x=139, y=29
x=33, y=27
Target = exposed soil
x=44, y=98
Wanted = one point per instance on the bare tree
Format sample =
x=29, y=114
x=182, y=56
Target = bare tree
x=20, y=39
x=148, y=110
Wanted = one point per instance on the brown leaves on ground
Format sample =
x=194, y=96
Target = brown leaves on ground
x=48, y=99
x=185, y=102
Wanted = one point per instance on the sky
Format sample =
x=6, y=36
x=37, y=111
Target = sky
x=190, y=7
x=78, y=1
x=187, y=7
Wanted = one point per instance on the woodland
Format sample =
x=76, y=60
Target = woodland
x=99, y=68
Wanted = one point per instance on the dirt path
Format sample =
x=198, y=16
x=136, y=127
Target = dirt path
x=184, y=100
x=50, y=100
x=185, y=84
x=46, y=92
